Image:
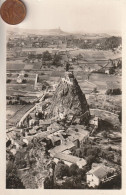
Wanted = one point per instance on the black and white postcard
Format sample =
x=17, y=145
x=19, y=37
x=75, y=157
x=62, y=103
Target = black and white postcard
x=64, y=97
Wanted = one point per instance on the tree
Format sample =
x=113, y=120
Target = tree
x=46, y=56
x=8, y=81
x=118, y=160
x=82, y=173
x=120, y=116
x=93, y=151
x=19, y=160
x=10, y=157
x=95, y=90
x=110, y=156
x=73, y=183
x=68, y=184
x=61, y=170
x=67, y=66
x=61, y=162
x=73, y=170
x=24, y=81
x=90, y=159
x=84, y=151
x=25, y=75
x=78, y=152
x=104, y=134
x=114, y=91
x=56, y=60
x=79, y=56
x=119, y=64
x=52, y=165
x=48, y=183
x=12, y=180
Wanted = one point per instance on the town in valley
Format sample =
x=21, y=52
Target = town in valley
x=64, y=112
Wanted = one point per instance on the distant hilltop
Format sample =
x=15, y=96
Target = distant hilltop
x=51, y=37
x=59, y=31
x=56, y=31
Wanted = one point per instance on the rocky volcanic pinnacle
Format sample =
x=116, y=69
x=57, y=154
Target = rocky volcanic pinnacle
x=69, y=102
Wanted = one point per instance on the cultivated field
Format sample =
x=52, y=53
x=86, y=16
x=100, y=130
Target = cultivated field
x=93, y=54
x=15, y=112
x=52, y=75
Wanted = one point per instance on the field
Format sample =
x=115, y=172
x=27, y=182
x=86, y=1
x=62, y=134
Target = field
x=98, y=100
x=106, y=115
x=22, y=89
x=15, y=112
x=110, y=103
x=93, y=54
x=90, y=55
x=52, y=75
x=15, y=66
x=95, y=80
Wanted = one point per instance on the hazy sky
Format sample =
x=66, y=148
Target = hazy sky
x=93, y=16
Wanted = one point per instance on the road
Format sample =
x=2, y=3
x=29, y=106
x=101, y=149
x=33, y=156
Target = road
x=29, y=111
x=104, y=111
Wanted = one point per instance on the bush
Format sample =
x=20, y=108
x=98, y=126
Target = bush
x=24, y=81
x=93, y=151
x=57, y=60
x=120, y=116
x=118, y=160
x=90, y=159
x=61, y=170
x=82, y=174
x=46, y=56
x=95, y=90
x=48, y=183
x=78, y=152
x=104, y=134
x=61, y=162
x=52, y=165
x=73, y=183
x=73, y=170
x=114, y=91
x=12, y=180
x=110, y=156
x=19, y=160
x=8, y=81
x=25, y=75
x=109, y=148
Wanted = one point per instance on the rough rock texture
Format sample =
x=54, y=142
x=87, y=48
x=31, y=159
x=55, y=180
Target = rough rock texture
x=69, y=103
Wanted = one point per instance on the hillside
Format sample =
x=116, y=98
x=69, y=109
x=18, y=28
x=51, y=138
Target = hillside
x=69, y=102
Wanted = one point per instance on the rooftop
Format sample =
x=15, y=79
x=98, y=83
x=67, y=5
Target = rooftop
x=61, y=148
x=70, y=158
x=54, y=138
x=45, y=122
x=100, y=172
x=77, y=134
x=55, y=126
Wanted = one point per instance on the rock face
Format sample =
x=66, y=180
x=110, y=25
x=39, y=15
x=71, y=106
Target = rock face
x=69, y=103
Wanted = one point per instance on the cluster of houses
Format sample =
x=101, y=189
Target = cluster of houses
x=40, y=41
x=60, y=143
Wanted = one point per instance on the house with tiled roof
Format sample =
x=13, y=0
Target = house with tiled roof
x=69, y=159
x=97, y=175
x=61, y=148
